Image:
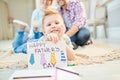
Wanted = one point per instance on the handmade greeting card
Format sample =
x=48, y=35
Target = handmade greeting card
x=45, y=54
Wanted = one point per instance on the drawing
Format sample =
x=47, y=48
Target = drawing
x=42, y=59
x=63, y=58
x=53, y=59
x=32, y=61
x=45, y=54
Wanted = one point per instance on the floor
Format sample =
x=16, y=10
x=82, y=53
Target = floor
x=112, y=42
x=108, y=71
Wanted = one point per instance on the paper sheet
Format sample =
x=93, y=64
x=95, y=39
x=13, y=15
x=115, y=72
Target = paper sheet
x=61, y=75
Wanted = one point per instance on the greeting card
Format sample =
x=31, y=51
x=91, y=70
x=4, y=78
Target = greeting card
x=45, y=54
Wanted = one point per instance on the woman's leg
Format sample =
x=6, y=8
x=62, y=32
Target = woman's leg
x=19, y=45
x=37, y=35
x=82, y=36
x=21, y=49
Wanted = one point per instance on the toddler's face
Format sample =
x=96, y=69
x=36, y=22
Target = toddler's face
x=54, y=24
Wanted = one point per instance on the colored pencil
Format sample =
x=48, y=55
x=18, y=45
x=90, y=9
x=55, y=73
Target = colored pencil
x=68, y=71
x=24, y=77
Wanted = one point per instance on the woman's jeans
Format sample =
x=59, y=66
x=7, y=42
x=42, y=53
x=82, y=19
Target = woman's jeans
x=81, y=37
x=20, y=43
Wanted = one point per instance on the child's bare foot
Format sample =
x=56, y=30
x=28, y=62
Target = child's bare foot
x=22, y=25
x=36, y=26
x=36, y=29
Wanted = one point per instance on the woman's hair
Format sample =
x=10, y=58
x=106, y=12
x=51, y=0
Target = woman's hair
x=43, y=0
x=51, y=2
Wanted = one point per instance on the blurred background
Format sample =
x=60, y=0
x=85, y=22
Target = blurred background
x=103, y=17
x=103, y=23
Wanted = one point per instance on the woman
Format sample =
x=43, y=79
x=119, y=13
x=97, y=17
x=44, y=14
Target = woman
x=20, y=45
x=36, y=20
x=74, y=16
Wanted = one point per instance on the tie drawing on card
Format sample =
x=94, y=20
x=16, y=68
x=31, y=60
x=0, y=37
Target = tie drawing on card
x=45, y=54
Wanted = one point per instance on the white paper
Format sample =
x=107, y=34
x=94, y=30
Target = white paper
x=61, y=75
x=29, y=72
x=45, y=54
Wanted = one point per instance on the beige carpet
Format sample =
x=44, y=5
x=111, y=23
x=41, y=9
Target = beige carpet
x=96, y=53
x=90, y=54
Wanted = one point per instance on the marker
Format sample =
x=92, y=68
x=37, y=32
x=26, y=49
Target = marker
x=71, y=65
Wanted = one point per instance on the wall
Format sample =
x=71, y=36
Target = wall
x=21, y=9
x=114, y=19
x=5, y=30
x=113, y=28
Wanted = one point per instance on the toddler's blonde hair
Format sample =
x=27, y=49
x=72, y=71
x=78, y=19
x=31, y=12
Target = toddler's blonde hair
x=48, y=12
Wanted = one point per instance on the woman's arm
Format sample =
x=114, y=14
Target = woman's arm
x=73, y=30
x=33, y=17
x=79, y=18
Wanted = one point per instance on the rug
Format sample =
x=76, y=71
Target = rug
x=96, y=53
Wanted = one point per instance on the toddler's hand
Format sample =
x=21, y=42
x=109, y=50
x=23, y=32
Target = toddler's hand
x=52, y=37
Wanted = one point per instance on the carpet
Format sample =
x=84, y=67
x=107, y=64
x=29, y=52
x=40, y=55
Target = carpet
x=96, y=53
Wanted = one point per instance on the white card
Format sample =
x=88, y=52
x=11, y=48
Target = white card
x=45, y=54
